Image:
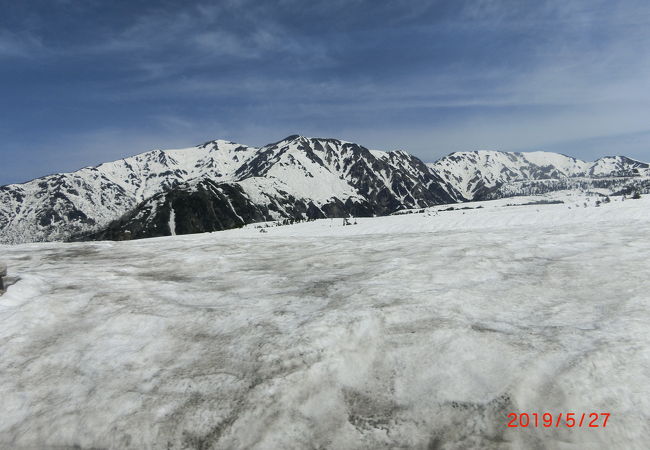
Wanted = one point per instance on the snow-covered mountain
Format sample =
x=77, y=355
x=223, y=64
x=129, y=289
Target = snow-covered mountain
x=294, y=178
x=482, y=175
x=220, y=185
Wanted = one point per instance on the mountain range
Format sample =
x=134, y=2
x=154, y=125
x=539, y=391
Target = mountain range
x=220, y=185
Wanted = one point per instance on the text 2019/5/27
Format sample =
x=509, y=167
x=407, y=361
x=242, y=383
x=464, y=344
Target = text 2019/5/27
x=557, y=420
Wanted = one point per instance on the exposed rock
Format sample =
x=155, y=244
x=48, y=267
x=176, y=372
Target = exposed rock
x=3, y=273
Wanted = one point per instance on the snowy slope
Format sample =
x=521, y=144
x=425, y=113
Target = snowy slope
x=410, y=331
x=57, y=206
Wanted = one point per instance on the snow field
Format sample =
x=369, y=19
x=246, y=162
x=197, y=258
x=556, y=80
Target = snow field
x=413, y=331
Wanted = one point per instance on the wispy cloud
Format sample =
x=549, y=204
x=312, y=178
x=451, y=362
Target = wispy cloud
x=427, y=76
x=19, y=44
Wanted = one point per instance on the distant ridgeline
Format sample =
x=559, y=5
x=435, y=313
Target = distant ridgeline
x=221, y=185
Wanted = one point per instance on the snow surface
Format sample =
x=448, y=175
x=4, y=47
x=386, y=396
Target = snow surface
x=172, y=220
x=419, y=330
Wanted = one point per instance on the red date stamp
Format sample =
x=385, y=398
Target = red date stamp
x=557, y=420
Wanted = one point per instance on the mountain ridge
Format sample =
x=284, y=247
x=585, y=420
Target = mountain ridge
x=294, y=178
x=477, y=174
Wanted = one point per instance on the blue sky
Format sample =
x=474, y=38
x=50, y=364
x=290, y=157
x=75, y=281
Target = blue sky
x=87, y=81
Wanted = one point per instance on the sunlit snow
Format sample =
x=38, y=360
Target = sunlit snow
x=413, y=331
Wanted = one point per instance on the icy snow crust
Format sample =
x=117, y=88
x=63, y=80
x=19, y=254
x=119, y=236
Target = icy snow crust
x=410, y=331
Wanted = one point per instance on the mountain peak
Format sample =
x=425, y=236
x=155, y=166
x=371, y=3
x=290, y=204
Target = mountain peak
x=288, y=139
x=216, y=144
